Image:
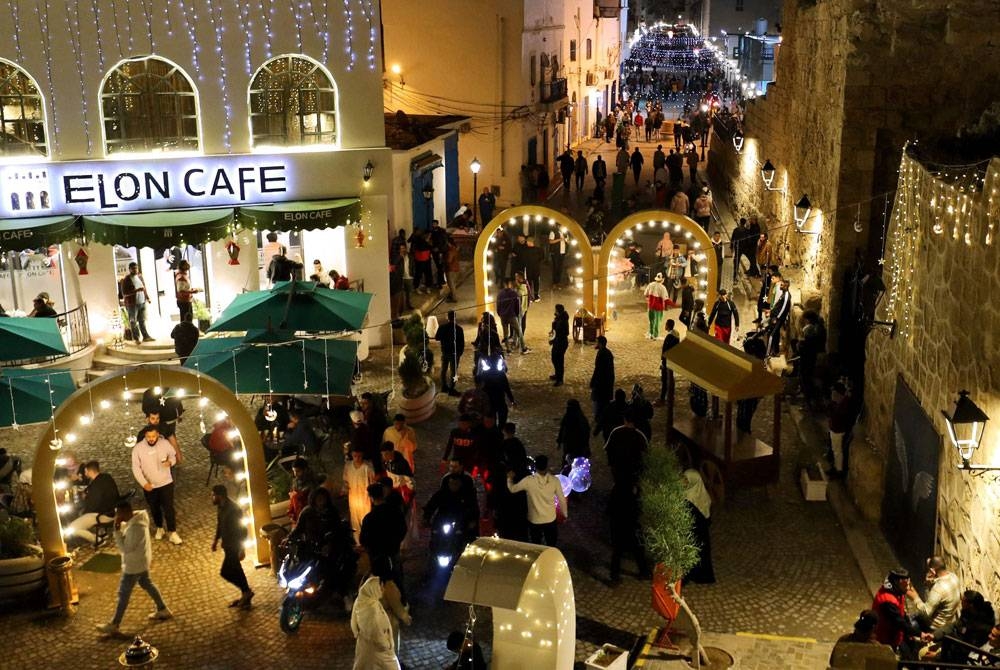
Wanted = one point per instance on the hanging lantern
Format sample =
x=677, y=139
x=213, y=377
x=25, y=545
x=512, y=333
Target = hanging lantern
x=803, y=208
x=233, y=250
x=767, y=173
x=81, y=259
x=738, y=141
x=965, y=427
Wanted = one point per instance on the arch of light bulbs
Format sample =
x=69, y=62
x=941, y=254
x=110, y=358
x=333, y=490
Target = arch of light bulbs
x=658, y=221
x=99, y=401
x=582, y=274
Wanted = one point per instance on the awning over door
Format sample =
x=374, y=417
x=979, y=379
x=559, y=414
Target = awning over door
x=159, y=229
x=301, y=215
x=20, y=234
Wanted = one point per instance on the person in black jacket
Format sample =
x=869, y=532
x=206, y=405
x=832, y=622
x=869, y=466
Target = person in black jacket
x=574, y=433
x=282, y=268
x=99, y=502
x=725, y=316
x=452, y=339
x=383, y=530
x=602, y=382
x=230, y=531
x=559, y=339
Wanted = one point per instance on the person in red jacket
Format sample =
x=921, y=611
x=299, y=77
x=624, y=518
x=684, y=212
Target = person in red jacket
x=894, y=627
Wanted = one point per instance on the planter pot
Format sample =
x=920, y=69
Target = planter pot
x=204, y=324
x=608, y=657
x=420, y=408
x=813, y=481
x=21, y=576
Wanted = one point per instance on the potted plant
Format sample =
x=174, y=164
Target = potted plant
x=201, y=315
x=668, y=530
x=22, y=568
x=416, y=360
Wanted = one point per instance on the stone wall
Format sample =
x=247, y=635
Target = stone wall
x=854, y=81
x=941, y=290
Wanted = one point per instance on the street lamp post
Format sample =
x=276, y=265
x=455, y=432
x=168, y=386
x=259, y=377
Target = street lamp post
x=428, y=193
x=475, y=166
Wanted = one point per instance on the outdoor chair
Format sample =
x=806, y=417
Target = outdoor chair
x=215, y=459
x=105, y=523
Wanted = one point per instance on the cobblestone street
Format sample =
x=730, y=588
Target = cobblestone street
x=787, y=582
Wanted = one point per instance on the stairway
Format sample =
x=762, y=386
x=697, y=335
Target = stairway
x=109, y=359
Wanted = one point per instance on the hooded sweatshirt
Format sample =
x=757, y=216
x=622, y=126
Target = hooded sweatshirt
x=133, y=542
x=370, y=625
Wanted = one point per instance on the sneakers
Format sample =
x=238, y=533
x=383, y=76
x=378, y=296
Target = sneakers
x=159, y=533
x=149, y=339
x=175, y=538
x=160, y=615
x=108, y=628
x=526, y=350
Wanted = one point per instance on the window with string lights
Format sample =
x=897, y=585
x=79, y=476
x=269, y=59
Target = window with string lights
x=293, y=103
x=22, y=114
x=149, y=105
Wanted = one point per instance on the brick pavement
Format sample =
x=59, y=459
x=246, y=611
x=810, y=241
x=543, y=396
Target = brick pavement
x=783, y=566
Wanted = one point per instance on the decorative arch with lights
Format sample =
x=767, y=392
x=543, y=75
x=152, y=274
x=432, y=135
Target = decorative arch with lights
x=658, y=220
x=84, y=408
x=583, y=277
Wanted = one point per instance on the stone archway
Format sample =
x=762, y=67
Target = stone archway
x=538, y=214
x=110, y=388
x=665, y=221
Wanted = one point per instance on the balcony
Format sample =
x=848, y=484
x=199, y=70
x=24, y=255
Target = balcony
x=607, y=9
x=552, y=91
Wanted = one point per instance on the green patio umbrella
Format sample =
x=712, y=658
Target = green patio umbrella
x=25, y=394
x=319, y=366
x=23, y=338
x=295, y=305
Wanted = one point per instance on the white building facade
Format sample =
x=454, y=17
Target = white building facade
x=161, y=131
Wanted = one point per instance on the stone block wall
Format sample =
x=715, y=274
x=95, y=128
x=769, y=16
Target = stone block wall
x=941, y=288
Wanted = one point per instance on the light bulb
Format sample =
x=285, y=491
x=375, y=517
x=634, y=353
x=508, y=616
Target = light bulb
x=85, y=419
x=180, y=393
x=105, y=404
x=202, y=402
x=220, y=416
x=157, y=390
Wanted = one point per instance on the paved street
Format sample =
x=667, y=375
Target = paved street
x=787, y=583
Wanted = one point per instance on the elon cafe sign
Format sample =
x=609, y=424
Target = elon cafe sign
x=110, y=187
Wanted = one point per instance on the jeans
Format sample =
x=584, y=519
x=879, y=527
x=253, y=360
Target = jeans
x=449, y=368
x=185, y=307
x=542, y=533
x=232, y=570
x=512, y=330
x=82, y=525
x=558, y=359
x=125, y=586
x=161, y=506
x=557, y=268
x=137, y=320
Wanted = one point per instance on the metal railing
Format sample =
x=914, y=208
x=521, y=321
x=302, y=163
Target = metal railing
x=75, y=329
x=553, y=90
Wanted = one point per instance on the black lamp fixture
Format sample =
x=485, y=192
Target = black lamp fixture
x=368, y=171
x=475, y=166
x=738, y=141
x=767, y=172
x=803, y=208
x=428, y=192
x=875, y=287
x=965, y=429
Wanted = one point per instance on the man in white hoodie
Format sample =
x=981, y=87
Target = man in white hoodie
x=132, y=538
x=543, y=491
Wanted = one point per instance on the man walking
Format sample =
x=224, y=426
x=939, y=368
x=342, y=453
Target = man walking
x=541, y=489
x=779, y=314
x=152, y=459
x=452, y=339
x=487, y=205
x=635, y=161
x=231, y=533
x=557, y=254
x=132, y=538
x=580, y=170
x=725, y=316
x=509, y=311
x=133, y=291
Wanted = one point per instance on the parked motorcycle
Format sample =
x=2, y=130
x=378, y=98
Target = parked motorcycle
x=310, y=573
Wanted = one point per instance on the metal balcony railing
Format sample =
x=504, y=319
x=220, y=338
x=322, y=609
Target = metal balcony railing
x=553, y=90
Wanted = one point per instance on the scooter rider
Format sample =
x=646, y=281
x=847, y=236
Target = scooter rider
x=453, y=503
x=321, y=530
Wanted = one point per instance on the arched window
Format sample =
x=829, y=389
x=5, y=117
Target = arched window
x=293, y=102
x=149, y=104
x=22, y=114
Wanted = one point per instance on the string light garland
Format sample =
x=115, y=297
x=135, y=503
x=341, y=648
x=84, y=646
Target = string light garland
x=128, y=27
x=189, y=27
x=148, y=15
x=167, y=21
x=349, y=34
x=77, y=47
x=43, y=23
x=218, y=26
x=15, y=14
x=95, y=8
x=116, y=31
x=369, y=12
x=296, y=10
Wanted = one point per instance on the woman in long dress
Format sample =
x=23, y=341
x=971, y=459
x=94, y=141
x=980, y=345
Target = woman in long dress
x=358, y=475
x=374, y=649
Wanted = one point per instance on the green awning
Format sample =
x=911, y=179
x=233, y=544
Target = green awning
x=301, y=215
x=159, y=229
x=21, y=234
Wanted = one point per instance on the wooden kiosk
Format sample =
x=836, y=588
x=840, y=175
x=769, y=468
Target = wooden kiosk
x=728, y=375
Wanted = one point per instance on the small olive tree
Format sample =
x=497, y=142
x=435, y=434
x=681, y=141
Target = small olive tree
x=668, y=529
x=417, y=357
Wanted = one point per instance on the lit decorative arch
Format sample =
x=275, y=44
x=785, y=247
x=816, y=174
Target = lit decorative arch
x=149, y=104
x=294, y=105
x=666, y=221
x=538, y=215
x=111, y=387
x=22, y=114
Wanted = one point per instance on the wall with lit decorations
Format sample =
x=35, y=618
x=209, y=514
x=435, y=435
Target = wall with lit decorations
x=220, y=44
x=942, y=276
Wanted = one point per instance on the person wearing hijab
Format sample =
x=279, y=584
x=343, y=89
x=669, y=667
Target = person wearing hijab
x=700, y=504
x=574, y=433
x=374, y=649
